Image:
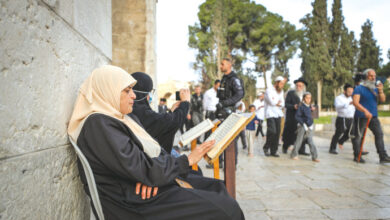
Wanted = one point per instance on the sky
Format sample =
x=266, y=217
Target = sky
x=174, y=57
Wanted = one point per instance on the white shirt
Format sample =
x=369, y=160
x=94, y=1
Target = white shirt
x=259, y=112
x=210, y=100
x=272, y=97
x=343, y=107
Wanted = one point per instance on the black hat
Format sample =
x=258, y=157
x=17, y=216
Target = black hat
x=301, y=79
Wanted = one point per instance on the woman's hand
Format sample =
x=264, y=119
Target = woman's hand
x=196, y=155
x=146, y=191
x=175, y=106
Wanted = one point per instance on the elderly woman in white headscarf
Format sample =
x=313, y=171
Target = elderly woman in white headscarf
x=123, y=156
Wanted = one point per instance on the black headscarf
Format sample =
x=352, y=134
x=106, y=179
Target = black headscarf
x=144, y=84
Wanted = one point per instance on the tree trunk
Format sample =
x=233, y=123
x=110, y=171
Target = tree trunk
x=264, y=76
x=319, y=95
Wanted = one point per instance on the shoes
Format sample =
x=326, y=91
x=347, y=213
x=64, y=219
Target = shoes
x=361, y=160
x=341, y=146
x=304, y=153
x=275, y=155
x=244, y=147
x=266, y=153
x=333, y=152
x=295, y=158
x=365, y=152
x=250, y=155
x=316, y=160
x=385, y=159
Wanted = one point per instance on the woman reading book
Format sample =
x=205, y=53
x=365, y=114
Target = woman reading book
x=122, y=156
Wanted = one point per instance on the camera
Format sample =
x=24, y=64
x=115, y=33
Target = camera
x=223, y=113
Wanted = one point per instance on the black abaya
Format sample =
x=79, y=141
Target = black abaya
x=161, y=126
x=118, y=163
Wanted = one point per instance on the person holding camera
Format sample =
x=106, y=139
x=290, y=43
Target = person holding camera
x=365, y=100
x=229, y=93
x=161, y=126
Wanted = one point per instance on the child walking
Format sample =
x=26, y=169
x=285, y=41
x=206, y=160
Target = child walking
x=251, y=131
x=305, y=128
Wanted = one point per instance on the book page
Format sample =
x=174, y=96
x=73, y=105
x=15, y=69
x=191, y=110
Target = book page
x=195, y=132
x=226, y=131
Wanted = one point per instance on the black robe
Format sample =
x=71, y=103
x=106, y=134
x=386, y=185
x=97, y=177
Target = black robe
x=161, y=126
x=118, y=162
x=290, y=123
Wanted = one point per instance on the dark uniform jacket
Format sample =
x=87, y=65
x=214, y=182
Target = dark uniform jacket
x=197, y=103
x=231, y=90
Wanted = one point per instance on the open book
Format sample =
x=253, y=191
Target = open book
x=195, y=132
x=226, y=133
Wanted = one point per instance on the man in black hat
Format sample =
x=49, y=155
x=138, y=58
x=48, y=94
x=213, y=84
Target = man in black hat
x=161, y=126
x=293, y=98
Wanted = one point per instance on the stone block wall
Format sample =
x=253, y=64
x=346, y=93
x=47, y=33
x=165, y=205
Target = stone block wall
x=133, y=36
x=47, y=49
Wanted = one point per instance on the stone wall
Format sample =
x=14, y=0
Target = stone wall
x=48, y=47
x=133, y=35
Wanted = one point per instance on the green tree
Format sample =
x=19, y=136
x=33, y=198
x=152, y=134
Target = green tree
x=243, y=31
x=342, y=51
x=369, y=53
x=317, y=66
x=385, y=69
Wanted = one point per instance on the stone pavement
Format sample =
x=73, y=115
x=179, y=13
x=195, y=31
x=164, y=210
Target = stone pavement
x=334, y=188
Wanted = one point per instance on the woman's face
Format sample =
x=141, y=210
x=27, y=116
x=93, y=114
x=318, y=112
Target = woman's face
x=127, y=100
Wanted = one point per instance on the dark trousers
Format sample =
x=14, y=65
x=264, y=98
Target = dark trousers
x=343, y=127
x=375, y=127
x=260, y=129
x=243, y=138
x=273, y=133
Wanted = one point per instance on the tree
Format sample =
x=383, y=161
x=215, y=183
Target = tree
x=342, y=50
x=316, y=62
x=272, y=42
x=369, y=53
x=243, y=31
x=385, y=69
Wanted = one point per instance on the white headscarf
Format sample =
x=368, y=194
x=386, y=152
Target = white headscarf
x=100, y=93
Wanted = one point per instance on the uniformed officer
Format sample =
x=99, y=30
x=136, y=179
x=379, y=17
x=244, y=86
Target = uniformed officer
x=230, y=91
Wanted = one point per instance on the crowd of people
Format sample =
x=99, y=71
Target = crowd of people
x=289, y=118
x=129, y=146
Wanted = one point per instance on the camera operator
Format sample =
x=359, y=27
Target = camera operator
x=229, y=93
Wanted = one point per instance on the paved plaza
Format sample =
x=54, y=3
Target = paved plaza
x=334, y=188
